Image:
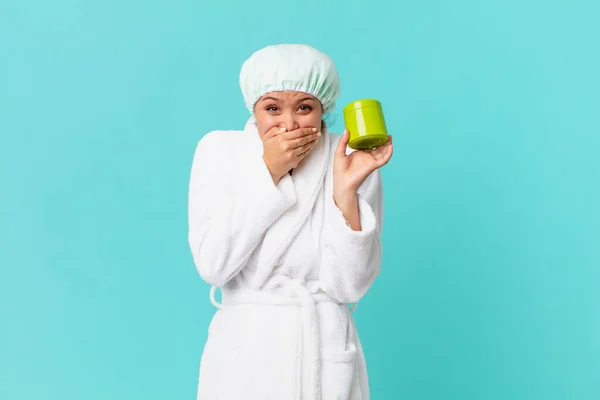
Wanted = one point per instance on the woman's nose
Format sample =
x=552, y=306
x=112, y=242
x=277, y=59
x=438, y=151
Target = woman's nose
x=290, y=123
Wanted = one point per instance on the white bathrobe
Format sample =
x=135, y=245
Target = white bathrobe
x=288, y=266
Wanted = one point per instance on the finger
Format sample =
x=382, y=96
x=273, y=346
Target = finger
x=390, y=149
x=342, y=144
x=383, y=157
x=390, y=152
x=305, y=140
x=300, y=132
x=305, y=153
x=387, y=154
x=303, y=149
x=383, y=148
x=274, y=131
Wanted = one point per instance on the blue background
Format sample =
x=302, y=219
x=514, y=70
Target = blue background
x=491, y=276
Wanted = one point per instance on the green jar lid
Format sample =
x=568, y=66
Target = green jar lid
x=355, y=105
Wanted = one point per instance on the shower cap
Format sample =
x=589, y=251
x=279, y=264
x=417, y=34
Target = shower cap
x=294, y=67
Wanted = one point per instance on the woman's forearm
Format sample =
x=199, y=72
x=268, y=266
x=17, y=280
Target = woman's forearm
x=347, y=202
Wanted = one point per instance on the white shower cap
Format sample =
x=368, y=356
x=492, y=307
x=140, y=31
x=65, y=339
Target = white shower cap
x=294, y=67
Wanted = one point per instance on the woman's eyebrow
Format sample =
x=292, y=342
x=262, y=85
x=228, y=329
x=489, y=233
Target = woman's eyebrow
x=298, y=101
x=270, y=98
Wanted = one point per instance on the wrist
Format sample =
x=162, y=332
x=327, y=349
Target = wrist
x=276, y=177
x=345, y=199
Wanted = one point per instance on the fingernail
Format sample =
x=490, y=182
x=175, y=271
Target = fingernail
x=281, y=129
x=318, y=133
x=314, y=129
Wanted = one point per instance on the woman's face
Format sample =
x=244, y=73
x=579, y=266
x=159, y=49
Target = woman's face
x=289, y=109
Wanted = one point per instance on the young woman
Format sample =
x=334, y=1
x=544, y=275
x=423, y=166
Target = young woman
x=287, y=224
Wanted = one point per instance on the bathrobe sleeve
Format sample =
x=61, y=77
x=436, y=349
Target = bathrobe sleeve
x=231, y=203
x=351, y=260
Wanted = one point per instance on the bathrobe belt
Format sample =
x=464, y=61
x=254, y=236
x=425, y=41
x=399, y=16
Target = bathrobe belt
x=285, y=291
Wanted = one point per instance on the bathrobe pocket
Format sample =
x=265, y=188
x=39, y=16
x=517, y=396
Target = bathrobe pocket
x=338, y=374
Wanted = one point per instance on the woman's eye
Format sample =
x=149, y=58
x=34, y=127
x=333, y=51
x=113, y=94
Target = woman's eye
x=272, y=108
x=305, y=108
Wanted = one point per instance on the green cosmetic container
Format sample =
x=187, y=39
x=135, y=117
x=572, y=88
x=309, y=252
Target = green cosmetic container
x=365, y=124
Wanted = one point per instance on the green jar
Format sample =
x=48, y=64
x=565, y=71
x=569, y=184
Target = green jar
x=365, y=124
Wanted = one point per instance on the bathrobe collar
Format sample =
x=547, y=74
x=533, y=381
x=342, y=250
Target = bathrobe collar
x=303, y=187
